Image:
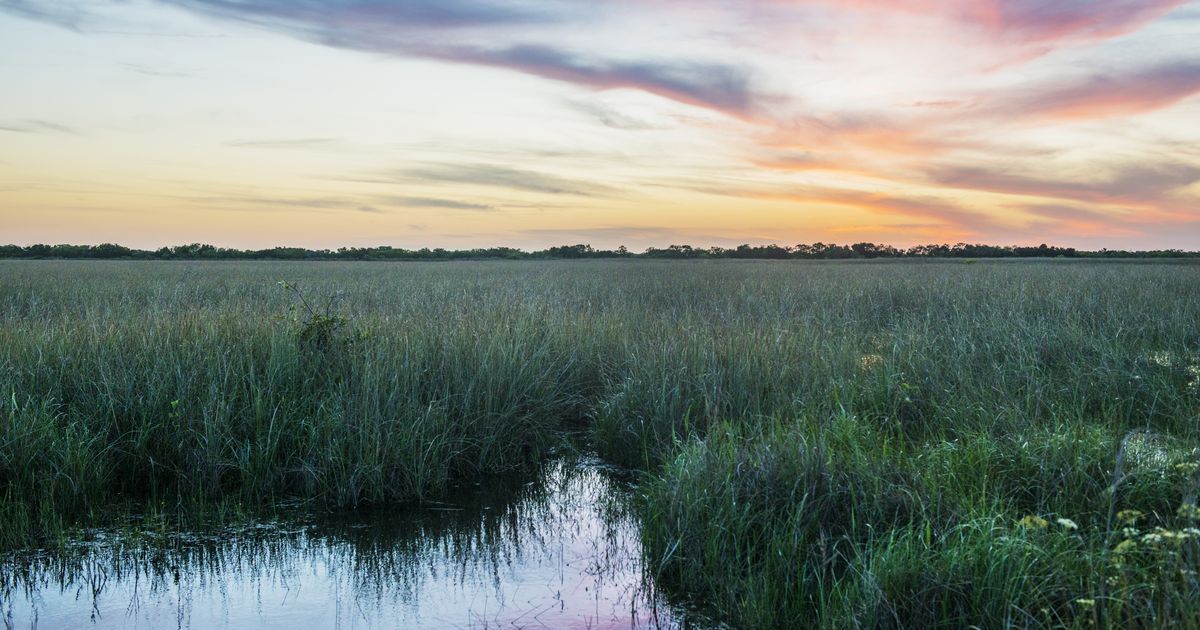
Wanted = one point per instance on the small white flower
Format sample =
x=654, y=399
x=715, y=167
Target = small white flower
x=1067, y=524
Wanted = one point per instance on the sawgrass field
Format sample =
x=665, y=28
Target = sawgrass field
x=817, y=443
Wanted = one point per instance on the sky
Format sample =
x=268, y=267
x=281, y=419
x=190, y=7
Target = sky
x=530, y=123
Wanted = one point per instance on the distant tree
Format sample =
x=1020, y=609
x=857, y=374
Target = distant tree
x=570, y=251
x=871, y=250
x=40, y=250
x=63, y=250
x=819, y=250
x=109, y=250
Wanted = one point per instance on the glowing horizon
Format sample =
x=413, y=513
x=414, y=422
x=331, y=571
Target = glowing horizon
x=530, y=123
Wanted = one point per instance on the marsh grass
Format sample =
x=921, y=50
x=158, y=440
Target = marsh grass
x=821, y=443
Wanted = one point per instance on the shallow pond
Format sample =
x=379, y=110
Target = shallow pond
x=560, y=552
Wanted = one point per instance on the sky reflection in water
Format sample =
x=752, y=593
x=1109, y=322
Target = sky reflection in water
x=560, y=552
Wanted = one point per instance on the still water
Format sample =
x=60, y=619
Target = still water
x=562, y=551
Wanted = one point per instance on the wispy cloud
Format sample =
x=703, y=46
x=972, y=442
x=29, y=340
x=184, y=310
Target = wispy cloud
x=1105, y=95
x=610, y=116
x=256, y=202
x=716, y=86
x=38, y=126
x=286, y=143
x=873, y=132
x=634, y=234
x=1139, y=183
x=374, y=15
x=945, y=212
x=67, y=14
x=500, y=177
x=433, y=202
x=1037, y=20
x=152, y=71
x=1024, y=21
x=446, y=30
x=1064, y=220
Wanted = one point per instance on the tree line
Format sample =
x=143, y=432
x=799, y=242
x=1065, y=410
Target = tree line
x=815, y=251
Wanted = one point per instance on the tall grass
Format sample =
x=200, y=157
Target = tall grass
x=190, y=385
x=820, y=443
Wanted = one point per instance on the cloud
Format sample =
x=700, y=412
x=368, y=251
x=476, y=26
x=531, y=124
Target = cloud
x=373, y=14
x=946, y=212
x=633, y=232
x=877, y=143
x=70, y=15
x=1038, y=20
x=529, y=37
x=286, y=143
x=503, y=177
x=1139, y=183
x=1072, y=221
x=446, y=30
x=716, y=86
x=1109, y=94
x=38, y=126
x=151, y=71
x=610, y=116
x=1064, y=212
x=807, y=161
x=659, y=236
x=870, y=132
x=922, y=207
x=433, y=202
x=1024, y=21
x=264, y=202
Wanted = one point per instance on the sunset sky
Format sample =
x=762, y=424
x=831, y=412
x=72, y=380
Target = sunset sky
x=527, y=123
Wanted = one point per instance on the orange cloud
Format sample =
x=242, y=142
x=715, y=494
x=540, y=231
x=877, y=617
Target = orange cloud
x=916, y=137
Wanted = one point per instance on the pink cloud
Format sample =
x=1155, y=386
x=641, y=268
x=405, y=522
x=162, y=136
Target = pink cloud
x=1027, y=21
x=1150, y=187
x=1108, y=95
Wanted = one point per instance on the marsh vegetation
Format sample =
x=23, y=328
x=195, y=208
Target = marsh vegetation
x=871, y=444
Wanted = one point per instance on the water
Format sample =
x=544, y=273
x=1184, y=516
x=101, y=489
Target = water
x=560, y=552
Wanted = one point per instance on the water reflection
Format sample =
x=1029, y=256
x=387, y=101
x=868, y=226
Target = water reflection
x=560, y=552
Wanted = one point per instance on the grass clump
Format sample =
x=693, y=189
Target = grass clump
x=806, y=524
x=983, y=573
x=758, y=522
